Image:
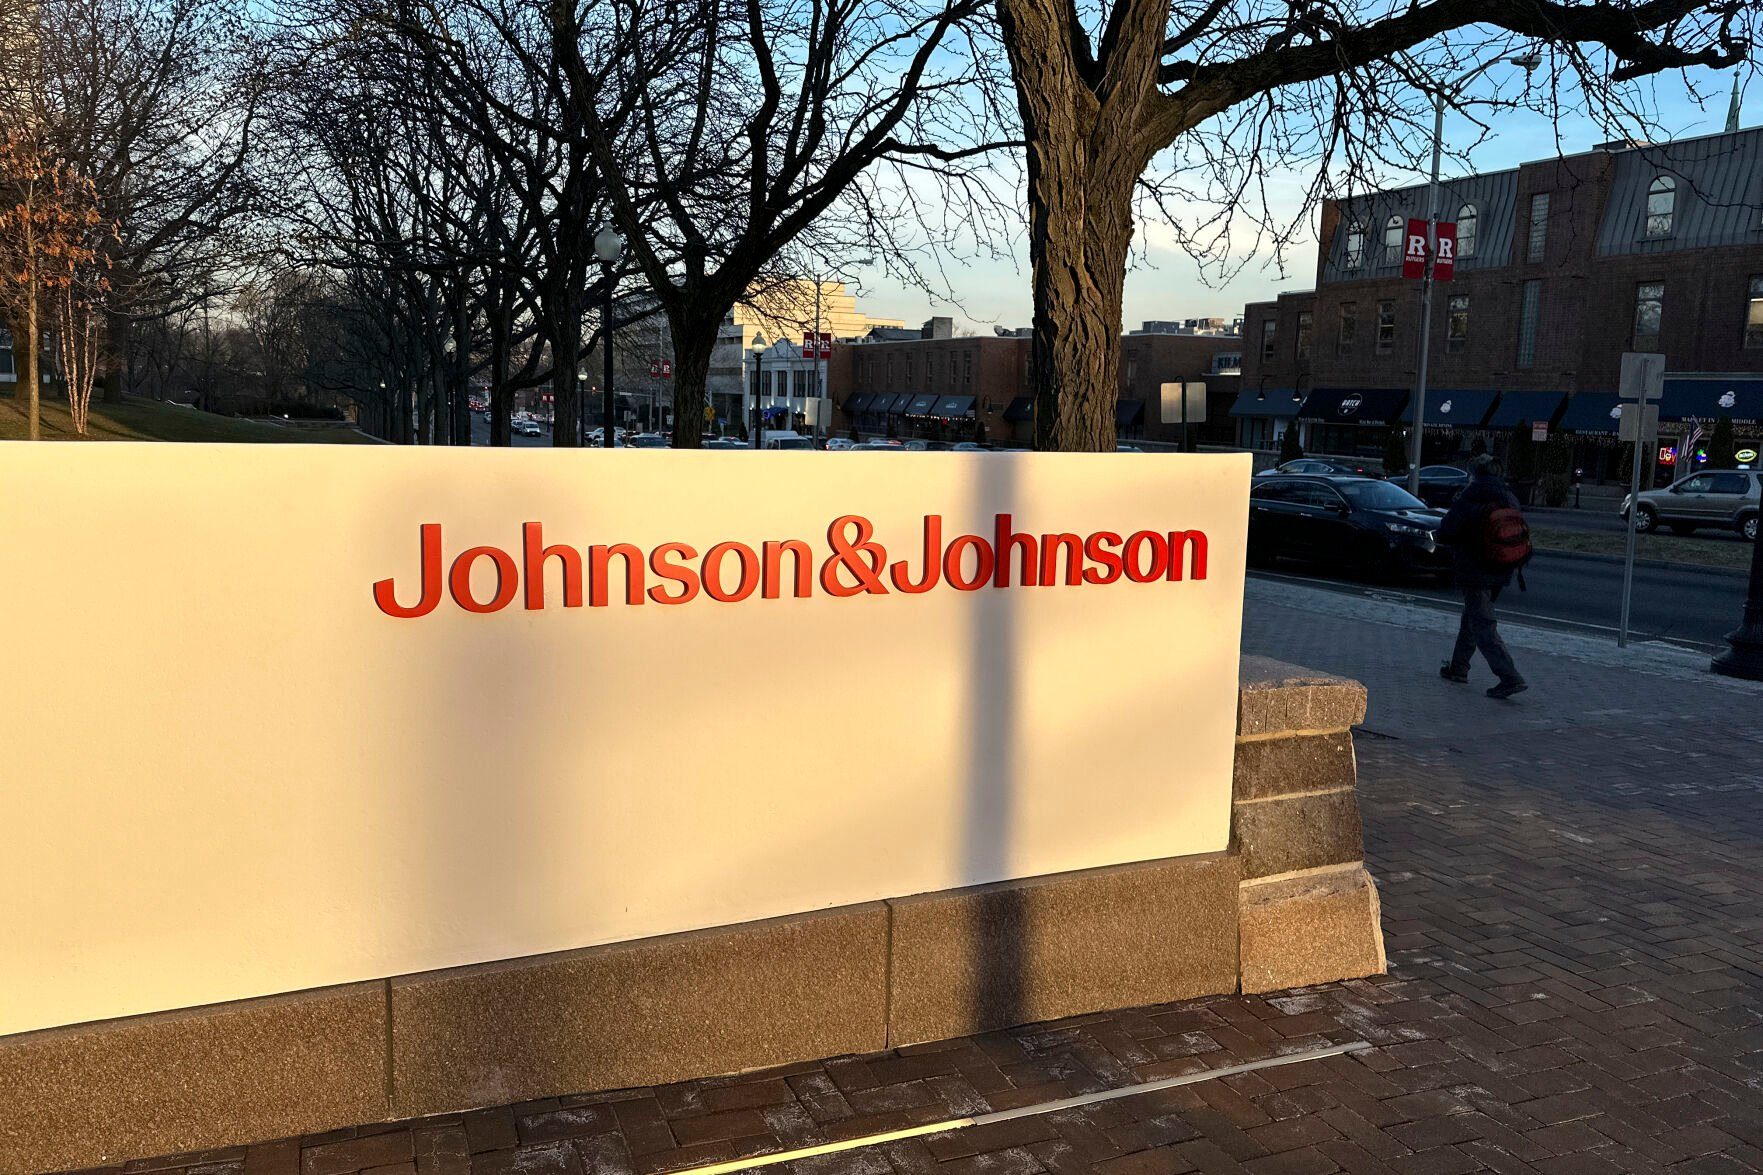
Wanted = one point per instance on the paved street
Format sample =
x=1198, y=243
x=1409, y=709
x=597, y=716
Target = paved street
x=1575, y=934
x=1686, y=605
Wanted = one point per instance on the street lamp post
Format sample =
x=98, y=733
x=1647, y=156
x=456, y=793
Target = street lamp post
x=608, y=247
x=1528, y=62
x=1744, y=657
x=758, y=383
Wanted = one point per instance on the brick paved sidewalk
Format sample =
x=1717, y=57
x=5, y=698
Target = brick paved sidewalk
x=1573, y=904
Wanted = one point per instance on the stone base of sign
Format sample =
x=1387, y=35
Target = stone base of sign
x=1289, y=903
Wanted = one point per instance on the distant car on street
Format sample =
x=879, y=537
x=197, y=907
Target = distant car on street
x=527, y=428
x=839, y=444
x=1326, y=466
x=1725, y=498
x=1440, y=484
x=726, y=443
x=647, y=440
x=1356, y=524
x=876, y=447
x=969, y=447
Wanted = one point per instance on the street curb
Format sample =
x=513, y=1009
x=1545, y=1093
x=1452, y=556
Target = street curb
x=1657, y=564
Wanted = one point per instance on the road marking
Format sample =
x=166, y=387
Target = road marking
x=1070, y=1103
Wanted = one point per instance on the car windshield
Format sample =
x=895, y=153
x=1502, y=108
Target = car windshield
x=1379, y=495
x=796, y=443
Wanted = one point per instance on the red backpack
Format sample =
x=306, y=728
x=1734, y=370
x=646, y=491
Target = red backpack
x=1505, y=539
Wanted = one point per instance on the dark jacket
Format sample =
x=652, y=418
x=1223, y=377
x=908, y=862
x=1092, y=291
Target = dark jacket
x=1461, y=528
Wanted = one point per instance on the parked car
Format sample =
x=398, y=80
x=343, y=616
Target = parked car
x=839, y=444
x=526, y=428
x=1358, y=524
x=726, y=443
x=1727, y=498
x=647, y=440
x=877, y=447
x=1440, y=484
x=1326, y=466
x=969, y=447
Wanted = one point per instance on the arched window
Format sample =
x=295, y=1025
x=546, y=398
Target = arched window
x=1661, y=203
x=1355, y=245
x=1466, y=218
x=1392, y=240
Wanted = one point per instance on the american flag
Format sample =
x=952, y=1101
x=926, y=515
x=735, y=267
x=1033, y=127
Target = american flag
x=1686, y=451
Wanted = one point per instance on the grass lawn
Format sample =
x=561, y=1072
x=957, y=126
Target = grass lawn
x=1717, y=550
x=135, y=419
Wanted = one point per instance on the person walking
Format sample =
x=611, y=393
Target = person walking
x=1488, y=535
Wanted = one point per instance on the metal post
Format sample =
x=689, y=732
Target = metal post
x=1634, y=508
x=758, y=412
x=1745, y=657
x=1432, y=222
x=607, y=439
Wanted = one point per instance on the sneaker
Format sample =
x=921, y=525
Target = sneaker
x=1460, y=676
x=1506, y=689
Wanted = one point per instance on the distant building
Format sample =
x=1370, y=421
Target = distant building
x=1562, y=265
x=1189, y=326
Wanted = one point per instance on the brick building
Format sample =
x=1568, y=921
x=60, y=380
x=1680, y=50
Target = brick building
x=1562, y=266
x=939, y=386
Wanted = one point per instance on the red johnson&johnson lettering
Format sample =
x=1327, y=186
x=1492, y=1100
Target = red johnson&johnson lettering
x=677, y=573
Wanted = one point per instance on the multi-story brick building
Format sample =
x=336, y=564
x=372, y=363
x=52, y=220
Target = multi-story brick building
x=1562, y=265
x=940, y=386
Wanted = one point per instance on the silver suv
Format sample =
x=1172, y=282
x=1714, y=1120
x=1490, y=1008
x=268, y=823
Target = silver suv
x=1725, y=498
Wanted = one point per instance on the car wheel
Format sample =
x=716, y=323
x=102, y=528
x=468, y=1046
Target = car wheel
x=1645, y=520
x=1683, y=528
x=1748, y=528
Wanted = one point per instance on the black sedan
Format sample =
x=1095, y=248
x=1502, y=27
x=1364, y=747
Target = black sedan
x=1440, y=484
x=1326, y=465
x=1355, y=524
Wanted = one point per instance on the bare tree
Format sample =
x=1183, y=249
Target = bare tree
x=1102, y=92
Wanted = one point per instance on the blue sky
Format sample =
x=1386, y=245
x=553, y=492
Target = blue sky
x=1166, y=284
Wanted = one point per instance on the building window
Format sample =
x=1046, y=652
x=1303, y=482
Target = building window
x=1649, y=312
x=1355, y=245
x=9, y=368
x=1392, y=240
x=908, y=373
x=1386, y=326
x=1528, y=308
x=1269, y=338
x=1349, y=326
x=967, y=370
x=1132, y=369
x=1753, y=318
x=890, y=386
x=1539, y=226
x=1661, y=203
x=1456, y=323
x=1466, y=226
x=1304, y=320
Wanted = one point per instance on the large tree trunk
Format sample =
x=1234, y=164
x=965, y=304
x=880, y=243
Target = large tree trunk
x=1082, y=120
x=566, y=345
x=693, y=344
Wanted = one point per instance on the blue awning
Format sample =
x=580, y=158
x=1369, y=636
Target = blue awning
x=1354, y=405
x=1738, y=399
x=1517, y=408
x=1590, y=413
x=920, y=405
x=1128, y=412
x=1453, y=407
x=1020, y=409
x=953, y=408
x=859, y=403
x=888, y=403
x=1264, y=402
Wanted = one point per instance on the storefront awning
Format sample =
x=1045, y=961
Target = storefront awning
x=1589, y=413
x=953, y=408
x=1516, y=408
x=1020, y=409
x=888, y=403
x=858, y=403
x=1128, y=412
x=920, y=405
x=1453, y=407
x=1738, y=399
x=1265, y=402
x=1353, y=405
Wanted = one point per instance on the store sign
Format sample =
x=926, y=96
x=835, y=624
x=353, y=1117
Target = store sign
x=303, y=715
x=1746, y=455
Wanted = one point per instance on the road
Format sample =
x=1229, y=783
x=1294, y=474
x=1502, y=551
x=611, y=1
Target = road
x=480, y=435
x=1607, y=521
x=1692, y=608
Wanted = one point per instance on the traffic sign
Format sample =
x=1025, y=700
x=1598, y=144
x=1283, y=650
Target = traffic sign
x=1648, y=422
x=1643, y=376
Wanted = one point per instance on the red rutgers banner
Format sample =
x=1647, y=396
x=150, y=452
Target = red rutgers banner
x=1446, y=260
x=1414, y=250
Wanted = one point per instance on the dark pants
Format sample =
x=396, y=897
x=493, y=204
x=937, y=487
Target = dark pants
x=1479, y=631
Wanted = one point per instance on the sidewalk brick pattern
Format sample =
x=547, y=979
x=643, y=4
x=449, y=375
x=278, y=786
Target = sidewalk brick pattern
x=1575, y=926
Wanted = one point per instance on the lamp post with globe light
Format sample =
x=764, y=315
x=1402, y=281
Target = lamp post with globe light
x=608, y=247
x=758, y=412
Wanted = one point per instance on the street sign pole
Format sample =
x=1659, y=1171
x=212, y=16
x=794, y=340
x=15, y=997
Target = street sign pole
x=1642, y=383
x=1634, y=493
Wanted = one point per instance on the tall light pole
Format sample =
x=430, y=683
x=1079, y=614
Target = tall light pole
x=1528, y=62
x=608, y=247
x=758, y=412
